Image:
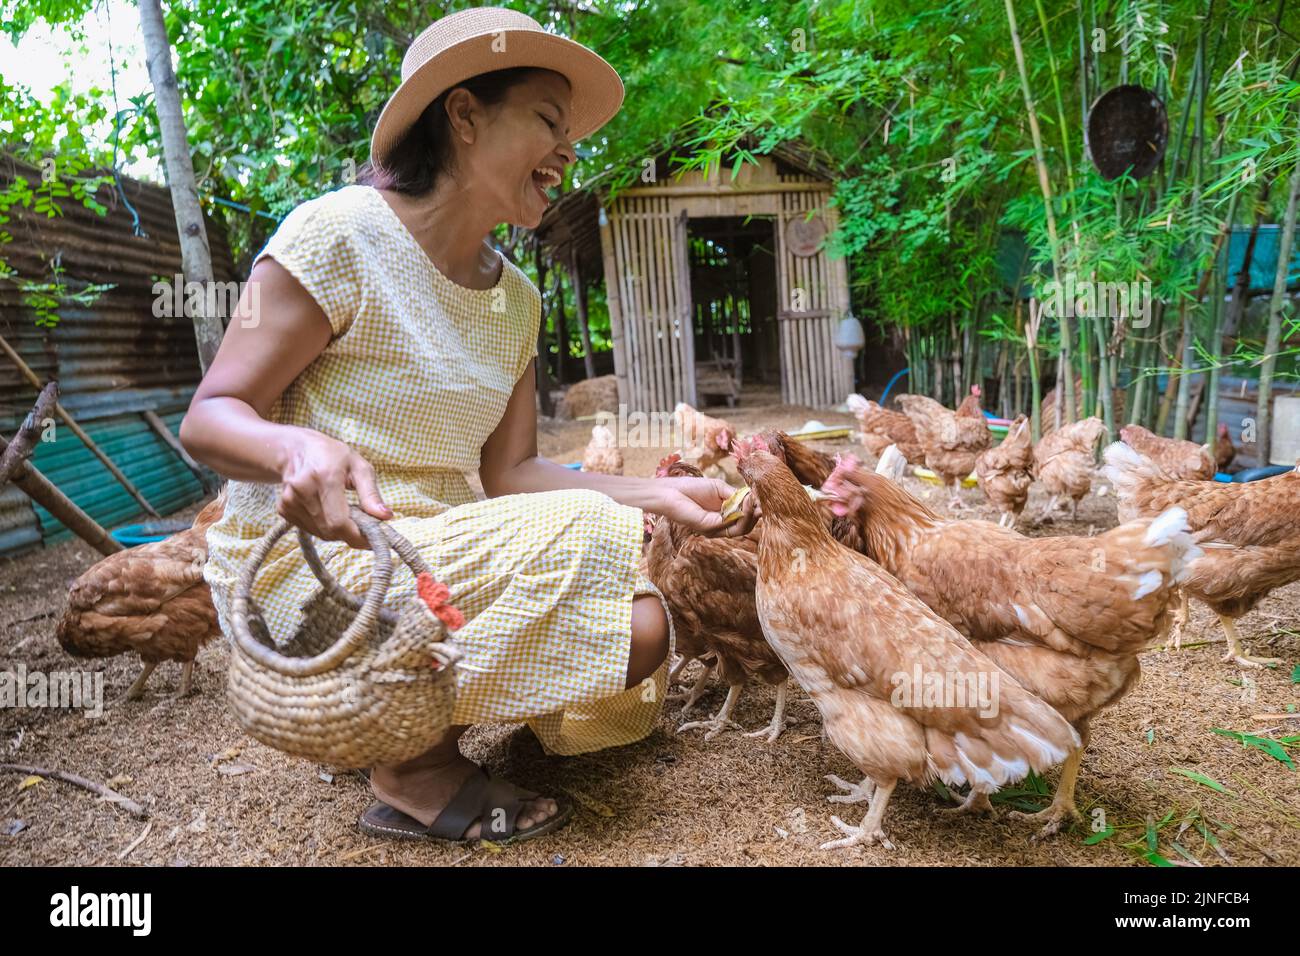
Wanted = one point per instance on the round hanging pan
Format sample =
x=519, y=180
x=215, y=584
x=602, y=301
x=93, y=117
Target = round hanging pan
x=1127, y=130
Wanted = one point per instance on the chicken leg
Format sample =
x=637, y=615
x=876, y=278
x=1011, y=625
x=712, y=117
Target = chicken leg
x=1237, y=653
x=777, y=723
x=721, y=720
x=678, y=668
x=696, y=691
x=955, y=503
x=869, y=831
x=136, y=690
x=1062, y=810
x=1181, y=619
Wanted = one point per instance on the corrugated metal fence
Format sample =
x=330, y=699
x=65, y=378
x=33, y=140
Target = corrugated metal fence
x=112, y=360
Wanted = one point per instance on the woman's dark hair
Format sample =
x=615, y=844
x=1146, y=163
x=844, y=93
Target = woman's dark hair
x=424, y=153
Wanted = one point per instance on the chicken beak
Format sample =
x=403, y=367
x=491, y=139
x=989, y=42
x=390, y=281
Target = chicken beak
x=814, y=493
x=733, y=507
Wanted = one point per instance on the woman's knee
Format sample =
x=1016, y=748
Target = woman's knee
x=649, y=638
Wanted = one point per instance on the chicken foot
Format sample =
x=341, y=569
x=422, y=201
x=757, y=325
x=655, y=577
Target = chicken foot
x=1237, y=653
x=856, y=792
x=976, y=802
x=1062, y=810
x=777, y=723
x=869, y=831
x=696, y=691
x=721, y=720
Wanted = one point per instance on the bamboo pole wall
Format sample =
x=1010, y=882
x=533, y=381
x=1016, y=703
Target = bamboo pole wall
x=650, y=263
x=812, y=291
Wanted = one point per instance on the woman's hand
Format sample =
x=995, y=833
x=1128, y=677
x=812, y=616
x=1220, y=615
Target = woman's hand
x=696, y=503
x=317, y=472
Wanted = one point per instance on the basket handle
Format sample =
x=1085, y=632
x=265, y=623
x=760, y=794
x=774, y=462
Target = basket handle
x=369, y=611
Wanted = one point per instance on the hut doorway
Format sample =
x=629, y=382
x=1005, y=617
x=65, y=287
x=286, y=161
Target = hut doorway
x=733, y=298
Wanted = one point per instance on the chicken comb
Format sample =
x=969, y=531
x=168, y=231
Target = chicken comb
x=665, y=463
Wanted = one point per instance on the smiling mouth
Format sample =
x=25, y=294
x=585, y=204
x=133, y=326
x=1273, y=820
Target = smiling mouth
x=544, y=178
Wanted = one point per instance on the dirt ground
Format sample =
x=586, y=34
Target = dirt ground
x=216, y=797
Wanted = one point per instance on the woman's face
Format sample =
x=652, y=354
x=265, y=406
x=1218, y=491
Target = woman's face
x=517, y=149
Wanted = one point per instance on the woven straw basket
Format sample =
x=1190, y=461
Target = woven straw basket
x=359, y=683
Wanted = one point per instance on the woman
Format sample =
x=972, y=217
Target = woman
x=390, y=349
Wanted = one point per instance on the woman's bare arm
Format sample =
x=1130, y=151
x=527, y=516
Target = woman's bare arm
x=262, y=352
x=509, y=464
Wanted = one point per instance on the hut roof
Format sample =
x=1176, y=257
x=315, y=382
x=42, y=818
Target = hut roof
x=571, y=224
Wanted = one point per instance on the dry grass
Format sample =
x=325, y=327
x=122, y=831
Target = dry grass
x=216, y=797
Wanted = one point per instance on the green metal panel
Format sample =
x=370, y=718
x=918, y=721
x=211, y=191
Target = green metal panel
x=143, y=457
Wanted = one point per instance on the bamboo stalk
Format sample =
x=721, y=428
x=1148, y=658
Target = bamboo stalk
x=1045, y=185
x=1272, y=341
x=77, y=430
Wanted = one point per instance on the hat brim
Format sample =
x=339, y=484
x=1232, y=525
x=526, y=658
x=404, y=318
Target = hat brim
x=597, y=89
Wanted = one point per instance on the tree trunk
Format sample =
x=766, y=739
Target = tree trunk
x=1273, y=340
x=543, y=350
x=196, y=258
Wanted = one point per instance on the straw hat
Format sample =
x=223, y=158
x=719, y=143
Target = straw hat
x=484, y=39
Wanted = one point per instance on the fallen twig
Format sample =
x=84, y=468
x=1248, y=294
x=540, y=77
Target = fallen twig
x=127, y=804
x=136, y=842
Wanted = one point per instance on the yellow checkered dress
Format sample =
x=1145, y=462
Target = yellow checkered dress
x=416, y=377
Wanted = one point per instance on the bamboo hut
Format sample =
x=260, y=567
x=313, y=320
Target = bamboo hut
x=713, y=282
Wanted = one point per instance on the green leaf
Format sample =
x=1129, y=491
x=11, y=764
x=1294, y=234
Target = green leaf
x=1267, y=744
x=1201, y=779
x=1155, y=859
x=1096, y=838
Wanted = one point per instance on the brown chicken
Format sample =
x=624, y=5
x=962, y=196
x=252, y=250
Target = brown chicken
x=1065, y=616
x=1248, y=531
x=1224, y=450
x=970, y=405
x=902, y=694
x=602, y=454
x=1005, y=472
x=1178, y=459
x=1063, y=462
x=951, y=442
x=878, y=428
x=709, y=584
x=151, y=599
x=704, y=439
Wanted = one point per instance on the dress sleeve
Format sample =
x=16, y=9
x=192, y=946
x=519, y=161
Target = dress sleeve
x=318, y=244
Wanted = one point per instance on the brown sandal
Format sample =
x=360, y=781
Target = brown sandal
x=492, y=800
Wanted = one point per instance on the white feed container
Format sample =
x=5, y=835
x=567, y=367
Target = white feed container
x=1286, y=429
